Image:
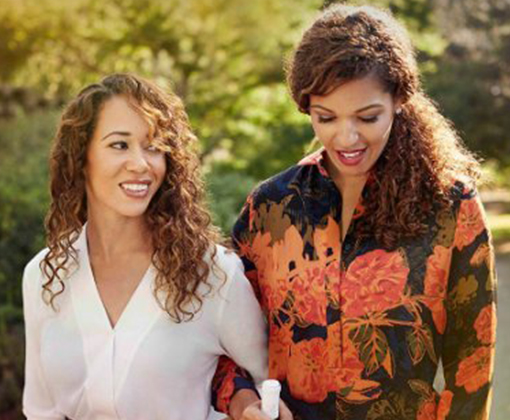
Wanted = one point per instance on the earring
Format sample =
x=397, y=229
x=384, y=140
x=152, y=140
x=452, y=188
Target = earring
x=398, y=111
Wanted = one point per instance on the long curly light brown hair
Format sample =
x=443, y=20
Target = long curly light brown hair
x=424, y=156
x=178, y=220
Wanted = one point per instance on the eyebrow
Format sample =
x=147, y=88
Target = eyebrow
x=365, y=108
x=118, y=133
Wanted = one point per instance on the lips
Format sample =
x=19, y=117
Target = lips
x=351, y=157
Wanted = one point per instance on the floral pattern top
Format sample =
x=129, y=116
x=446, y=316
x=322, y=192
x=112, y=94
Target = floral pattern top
x=356, y=331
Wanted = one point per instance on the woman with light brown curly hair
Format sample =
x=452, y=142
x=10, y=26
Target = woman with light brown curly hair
x=129, y=307
x=371, y=257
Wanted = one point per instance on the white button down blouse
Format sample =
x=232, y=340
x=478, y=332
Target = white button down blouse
x=145, y=368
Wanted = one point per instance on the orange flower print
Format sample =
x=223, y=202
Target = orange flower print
x=481, y=255
x=224, y=378
x=470, y=223
x=474, y=371
x=485, y=324
x=280, y=339
x=289, y=271
x=273, y=290
x=332, y=283
x=374, y=282
x=438, y=267
x=347, y=368
x=435, y=285
x=254, y=251
x=327, y=241
x=443, y=408
x=308, y=375
x=343, y=356
x=427, y=410
x=310, y=300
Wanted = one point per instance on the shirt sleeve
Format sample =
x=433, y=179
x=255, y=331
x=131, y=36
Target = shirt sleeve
x=38, y=403
x=469, y=339
x=229, y=377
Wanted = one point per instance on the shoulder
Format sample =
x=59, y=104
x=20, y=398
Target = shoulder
x=465, y=201
x=226, y=260
x=32, y=271
x=33, y=275
x=462, y=190
x=282, y=184
x=227, y=272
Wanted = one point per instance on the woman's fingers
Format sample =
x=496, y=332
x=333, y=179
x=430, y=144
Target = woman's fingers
x=254, y=412
x=285, y=413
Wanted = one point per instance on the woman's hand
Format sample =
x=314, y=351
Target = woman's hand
x=254, y=412
x=246, y=405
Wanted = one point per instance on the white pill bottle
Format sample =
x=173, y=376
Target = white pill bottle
x=271, y=398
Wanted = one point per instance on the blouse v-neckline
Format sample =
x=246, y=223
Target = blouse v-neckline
x=107, y=368
x=135, y=308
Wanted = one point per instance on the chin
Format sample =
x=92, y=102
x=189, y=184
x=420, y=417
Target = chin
x=133, y=211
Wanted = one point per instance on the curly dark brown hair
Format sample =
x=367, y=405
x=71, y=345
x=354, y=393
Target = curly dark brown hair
x=424, y=156
x=183, y=237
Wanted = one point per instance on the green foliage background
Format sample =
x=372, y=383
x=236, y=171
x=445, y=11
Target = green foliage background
x=225, y=58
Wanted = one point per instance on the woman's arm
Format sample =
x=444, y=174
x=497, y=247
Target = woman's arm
x=243, y=334
x=229, y=378
x=233, y=391
x=469, y=339
x=242, y=328
x=37, y=401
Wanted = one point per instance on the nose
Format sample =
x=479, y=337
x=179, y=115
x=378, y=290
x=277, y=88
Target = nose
x=137, y=161
x=346, y=135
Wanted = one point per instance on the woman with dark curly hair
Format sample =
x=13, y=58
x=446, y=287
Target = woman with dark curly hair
x=371, y=257
x=130, y=306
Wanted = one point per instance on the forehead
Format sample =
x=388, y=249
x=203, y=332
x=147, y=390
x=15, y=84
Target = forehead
x=118, y=114
x=354, y=94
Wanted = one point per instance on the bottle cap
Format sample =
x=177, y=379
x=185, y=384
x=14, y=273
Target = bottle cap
x=271, y=385
x=271, y=398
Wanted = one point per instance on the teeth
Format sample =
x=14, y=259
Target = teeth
x=352, y=155
x=135, y=187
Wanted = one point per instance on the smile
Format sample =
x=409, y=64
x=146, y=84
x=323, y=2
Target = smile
x=351, y=158
x=135, y=189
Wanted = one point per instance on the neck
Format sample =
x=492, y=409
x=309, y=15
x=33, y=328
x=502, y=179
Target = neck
x=109, y=238
x=349, y=186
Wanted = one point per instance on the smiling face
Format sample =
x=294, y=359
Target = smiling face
x=353, y=122
x=123, y=170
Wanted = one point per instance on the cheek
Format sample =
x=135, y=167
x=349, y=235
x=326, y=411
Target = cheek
x=100, y=169
x=378, y=135
x=324, y=133
x=159, y=167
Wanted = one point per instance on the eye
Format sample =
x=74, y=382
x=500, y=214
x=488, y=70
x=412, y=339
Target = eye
x=323, y=119
x=152, y=148
x=119, y=145
x=370, y=119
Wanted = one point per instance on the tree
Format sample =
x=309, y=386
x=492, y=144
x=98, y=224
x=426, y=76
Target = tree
x=472, y=83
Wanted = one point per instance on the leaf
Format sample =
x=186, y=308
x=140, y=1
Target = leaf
x=363, y=390
x=429, y=343
x=481, y=255
x=465, y=290
x=382, y=409
x=420, y=341
x=421, y=388
x=372, y=347
x=387, y=364
x=416, y=346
